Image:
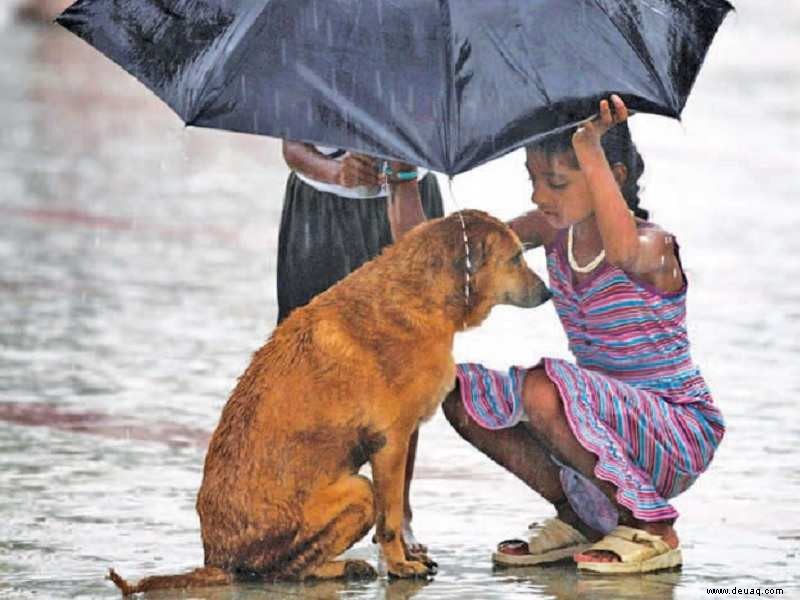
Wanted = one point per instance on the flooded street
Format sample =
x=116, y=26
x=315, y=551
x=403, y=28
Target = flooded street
x=137, y=276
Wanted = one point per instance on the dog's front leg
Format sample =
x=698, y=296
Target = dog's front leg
x=388, y=472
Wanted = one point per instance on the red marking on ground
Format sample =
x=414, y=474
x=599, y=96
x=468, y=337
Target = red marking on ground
x=94, y=423
x=77, y=217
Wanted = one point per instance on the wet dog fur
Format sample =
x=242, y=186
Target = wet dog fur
x=344, y=381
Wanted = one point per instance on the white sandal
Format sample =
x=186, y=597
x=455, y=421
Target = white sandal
x=639, y=552
x=555, y=540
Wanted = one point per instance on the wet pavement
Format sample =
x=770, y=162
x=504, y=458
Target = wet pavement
x=137, y=275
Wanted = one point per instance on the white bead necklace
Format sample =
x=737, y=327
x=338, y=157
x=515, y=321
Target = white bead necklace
x=574, y=263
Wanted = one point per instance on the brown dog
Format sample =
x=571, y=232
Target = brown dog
x=343, y=381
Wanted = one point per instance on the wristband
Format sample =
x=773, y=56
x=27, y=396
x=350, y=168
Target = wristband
x=400, y=175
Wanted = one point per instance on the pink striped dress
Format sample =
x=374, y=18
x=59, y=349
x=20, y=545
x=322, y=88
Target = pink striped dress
x=634, y=398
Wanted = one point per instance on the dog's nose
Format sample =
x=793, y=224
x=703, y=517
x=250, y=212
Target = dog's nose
x=546, y=294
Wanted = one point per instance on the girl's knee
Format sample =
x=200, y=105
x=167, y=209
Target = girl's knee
x=541, y=399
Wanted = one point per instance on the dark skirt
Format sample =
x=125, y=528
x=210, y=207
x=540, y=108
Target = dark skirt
x=324, y=237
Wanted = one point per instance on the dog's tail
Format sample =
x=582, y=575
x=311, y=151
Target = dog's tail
x=204, y=577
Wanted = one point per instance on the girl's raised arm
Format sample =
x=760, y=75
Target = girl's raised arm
x=616, y=223
x=648, y=253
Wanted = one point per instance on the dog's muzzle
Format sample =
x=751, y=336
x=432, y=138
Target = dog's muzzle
x=534, y=296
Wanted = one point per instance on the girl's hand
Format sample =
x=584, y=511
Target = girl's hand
x=591, y=132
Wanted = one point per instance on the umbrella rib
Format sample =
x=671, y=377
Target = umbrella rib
x=243, y=38
x=646, y=60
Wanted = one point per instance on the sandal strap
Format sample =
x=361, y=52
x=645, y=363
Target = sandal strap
x=631, y=545
x=553, y=535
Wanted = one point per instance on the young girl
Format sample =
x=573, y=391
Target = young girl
x=632, y=415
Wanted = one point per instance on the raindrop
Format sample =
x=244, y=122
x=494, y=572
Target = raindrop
x=663, y=260
x=315, y=15
x=276, y=100
x=244, y=88
x=283, y=52
x=329, y=32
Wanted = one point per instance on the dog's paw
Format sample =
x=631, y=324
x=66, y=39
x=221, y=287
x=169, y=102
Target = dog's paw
x=359, y=569
x=426, y=560
x=409, y=568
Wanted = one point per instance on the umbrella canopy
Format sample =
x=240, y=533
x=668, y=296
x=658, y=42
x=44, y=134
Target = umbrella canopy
x=444, y=84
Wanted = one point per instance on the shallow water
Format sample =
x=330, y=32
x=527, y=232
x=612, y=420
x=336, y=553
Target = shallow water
x=137, y=276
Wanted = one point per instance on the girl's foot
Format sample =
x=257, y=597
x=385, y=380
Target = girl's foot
x=550, y=542
x=565, y=514
x=663, y=530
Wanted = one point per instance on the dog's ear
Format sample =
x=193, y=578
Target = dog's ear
x=477, y=256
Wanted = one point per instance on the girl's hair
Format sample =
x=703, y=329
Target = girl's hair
x=618, y=147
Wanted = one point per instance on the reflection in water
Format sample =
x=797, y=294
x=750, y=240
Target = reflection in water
x=138, y=277
x=324, y=590
x=567, y=583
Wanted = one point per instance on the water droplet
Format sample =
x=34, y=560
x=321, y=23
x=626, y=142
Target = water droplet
x=315, y=16
x=276, y=102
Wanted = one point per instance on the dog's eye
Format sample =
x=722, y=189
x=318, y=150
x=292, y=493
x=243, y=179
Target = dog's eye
x=516, y=260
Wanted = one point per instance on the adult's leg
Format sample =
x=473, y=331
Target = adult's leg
x=432, y=206
x=414, y=546
x=545, y=409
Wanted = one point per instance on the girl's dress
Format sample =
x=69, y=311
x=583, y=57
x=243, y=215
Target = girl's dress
x=634, y=398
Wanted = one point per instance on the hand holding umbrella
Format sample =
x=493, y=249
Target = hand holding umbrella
x=357, y=169
x=614, y=220
x=591, y=131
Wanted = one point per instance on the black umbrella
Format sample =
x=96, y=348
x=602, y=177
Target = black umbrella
x=445, y=84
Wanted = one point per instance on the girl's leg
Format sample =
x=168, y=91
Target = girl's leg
x=516, y=450
x=545, y=409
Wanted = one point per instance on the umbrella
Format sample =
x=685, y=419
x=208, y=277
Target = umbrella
x=444, y=84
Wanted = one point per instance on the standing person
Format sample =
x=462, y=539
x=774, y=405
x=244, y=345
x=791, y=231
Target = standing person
x=337, y=216
x=633, y=416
